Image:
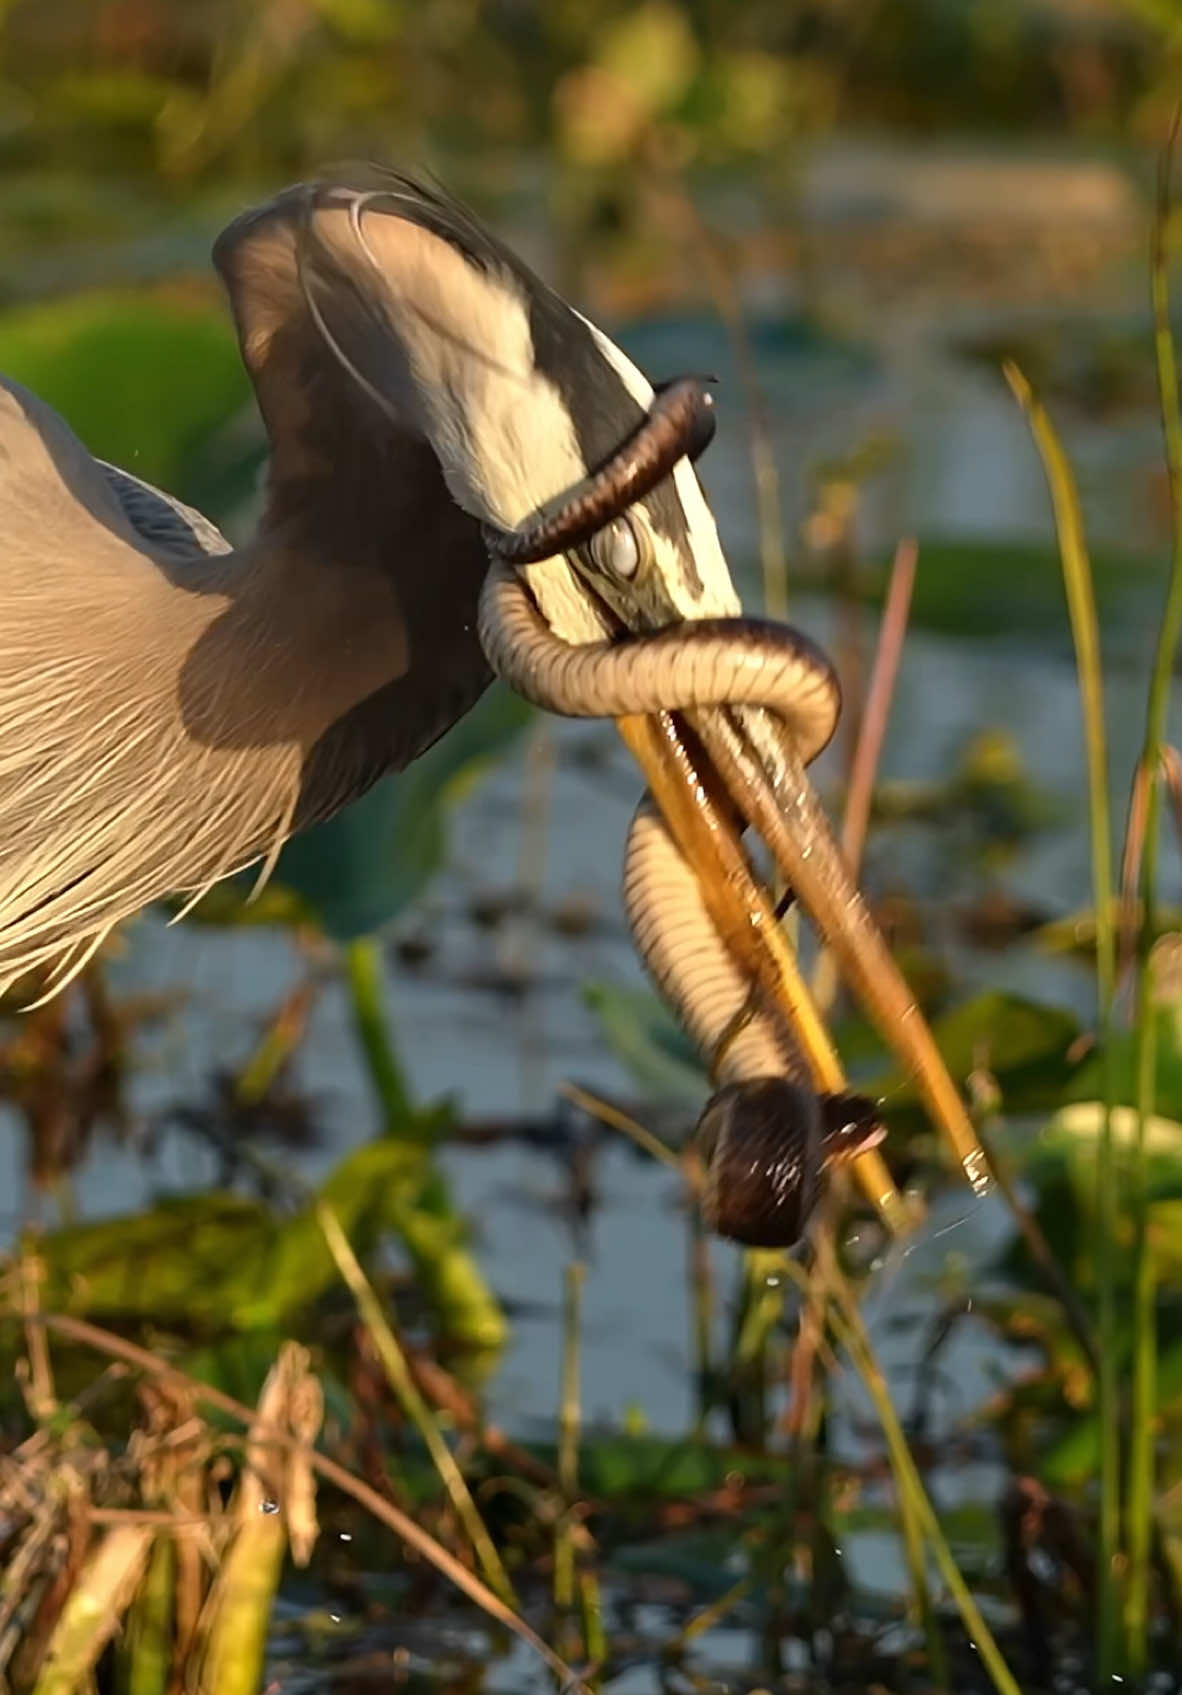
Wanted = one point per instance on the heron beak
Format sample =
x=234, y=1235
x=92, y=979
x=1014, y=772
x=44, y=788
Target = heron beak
x=747, y=757
x=685, y=790
x=745, y=754
x=783, y=807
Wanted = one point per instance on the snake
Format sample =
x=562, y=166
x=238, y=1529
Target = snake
x=766, y=1135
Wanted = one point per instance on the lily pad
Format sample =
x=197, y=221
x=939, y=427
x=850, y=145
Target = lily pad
x=144, y=379
x=977, y=589
x=221, y=1261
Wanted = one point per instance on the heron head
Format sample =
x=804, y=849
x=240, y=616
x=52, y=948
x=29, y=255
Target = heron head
x=519, y=396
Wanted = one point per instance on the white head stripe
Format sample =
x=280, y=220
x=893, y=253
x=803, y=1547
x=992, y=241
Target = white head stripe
x=717, y=597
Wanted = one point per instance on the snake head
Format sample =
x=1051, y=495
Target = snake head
x=522, y=401
x=766, y=1141
x=850, y=1125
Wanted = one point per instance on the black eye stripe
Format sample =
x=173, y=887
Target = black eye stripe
x=640, y=463
x=602, y=410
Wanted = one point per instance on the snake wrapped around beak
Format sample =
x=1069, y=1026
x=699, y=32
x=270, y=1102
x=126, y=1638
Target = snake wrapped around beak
x=766, y=1133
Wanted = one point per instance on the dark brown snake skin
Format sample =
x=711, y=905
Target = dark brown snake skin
x=766, y=1134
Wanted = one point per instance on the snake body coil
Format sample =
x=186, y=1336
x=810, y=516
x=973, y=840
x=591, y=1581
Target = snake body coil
x=766, y=1132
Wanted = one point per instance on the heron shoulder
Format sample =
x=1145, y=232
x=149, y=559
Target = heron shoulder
x=60, y=507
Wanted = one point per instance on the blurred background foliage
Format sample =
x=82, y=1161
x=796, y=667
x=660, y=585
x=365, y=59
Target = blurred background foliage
x=651, y=159
x=130, y=130
x=113, y=112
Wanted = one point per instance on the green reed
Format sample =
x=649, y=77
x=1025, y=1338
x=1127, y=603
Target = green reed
x=1141, y=1480
x=1081, y=607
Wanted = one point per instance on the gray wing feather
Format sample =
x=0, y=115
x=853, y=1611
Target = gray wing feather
x=161, y=518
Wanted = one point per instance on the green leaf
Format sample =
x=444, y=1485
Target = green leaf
x=219, y=1260
x=236, y=1362
x=978, y=589
x=648, y=1043
x=1087, y=1083
x=1023, y=1044
x=1076, y=933
x=1061, y=1166
x=143, y=379
x=622, y=1468
x=1073, y=1460
x=210, y=1259
x=1069, y=1143
x=651, y=53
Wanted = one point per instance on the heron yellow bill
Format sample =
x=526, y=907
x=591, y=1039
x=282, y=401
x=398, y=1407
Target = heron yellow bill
x=783, y=808
x=747, y=922
x=759, y=702
x=608, y=595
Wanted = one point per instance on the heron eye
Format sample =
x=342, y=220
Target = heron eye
x=615, y=550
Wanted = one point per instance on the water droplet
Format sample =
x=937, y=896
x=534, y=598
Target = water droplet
x=947, y=1229
x=976, y=1170
x=268, y=1506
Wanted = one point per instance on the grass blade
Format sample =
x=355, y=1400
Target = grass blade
x=851, y=1332
x=95, y=1608
x=406, y=1392
x=273, y=1511
x=431, y=1230
x=413, y=1535
x=145, y=1652
x=872, y=729
x=1085, y=632
x=880, y=694
x=1141, y=1456
x=568, y=1439
x=363, y=975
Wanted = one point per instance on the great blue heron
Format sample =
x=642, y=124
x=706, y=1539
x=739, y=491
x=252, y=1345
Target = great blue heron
x=460, y=466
